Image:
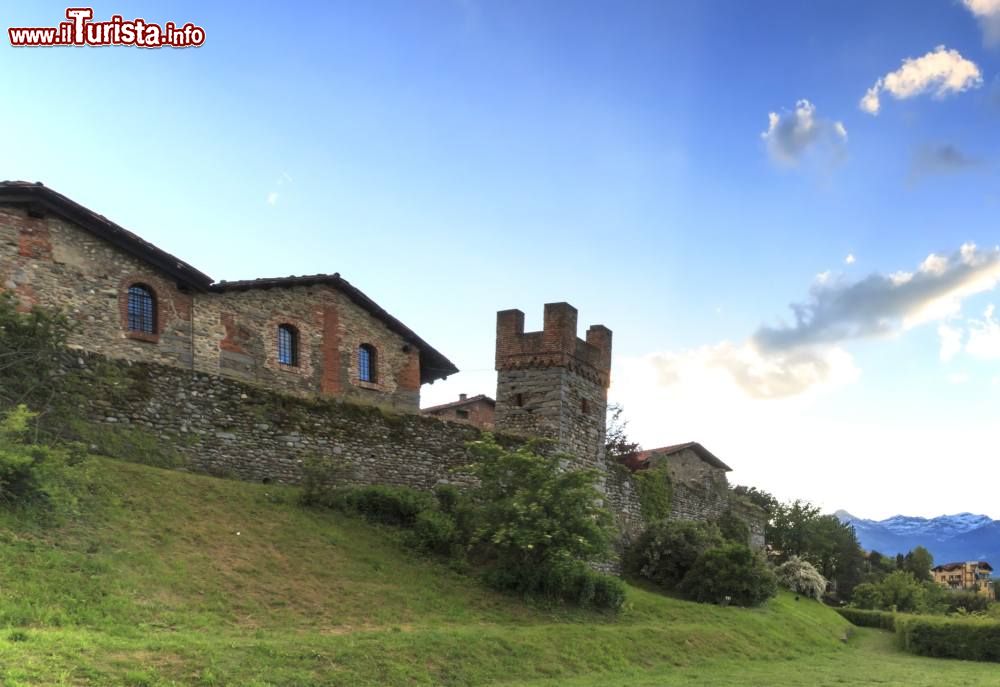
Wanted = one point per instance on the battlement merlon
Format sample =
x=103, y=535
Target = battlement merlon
x=555, y=346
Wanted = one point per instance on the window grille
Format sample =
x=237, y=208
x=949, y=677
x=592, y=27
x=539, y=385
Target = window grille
x=288, y=345
x=141, y=309
x=367, y=371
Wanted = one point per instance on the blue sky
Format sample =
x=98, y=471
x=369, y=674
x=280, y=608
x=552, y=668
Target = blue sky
x=457, y=157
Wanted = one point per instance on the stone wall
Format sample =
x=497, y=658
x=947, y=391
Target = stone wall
x=226, y=427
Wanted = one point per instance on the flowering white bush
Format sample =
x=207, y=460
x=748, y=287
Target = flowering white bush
x=801, y=577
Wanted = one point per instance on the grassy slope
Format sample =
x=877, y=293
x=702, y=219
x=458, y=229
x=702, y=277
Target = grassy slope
x=170, y=578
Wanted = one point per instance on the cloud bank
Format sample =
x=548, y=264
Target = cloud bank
x=791, y=135
x=941, y=72
x=881, y=305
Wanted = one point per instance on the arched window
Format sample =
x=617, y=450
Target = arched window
x=367, y=363
x=141, y=309
x=288, y=345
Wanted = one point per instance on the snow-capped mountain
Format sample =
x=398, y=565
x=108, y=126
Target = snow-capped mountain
x=960, y=537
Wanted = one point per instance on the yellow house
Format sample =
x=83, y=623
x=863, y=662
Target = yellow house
x=972, y=575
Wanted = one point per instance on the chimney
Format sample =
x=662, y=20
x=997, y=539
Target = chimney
x=462, y=397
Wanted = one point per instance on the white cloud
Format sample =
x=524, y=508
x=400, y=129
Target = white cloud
x=987, y=12
x=958, y=378
x=850, y=259
x=272, y=198
x=791, y=135
x=984, y=336
x=940, y=71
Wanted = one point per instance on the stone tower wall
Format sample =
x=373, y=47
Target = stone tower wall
x=552, y=384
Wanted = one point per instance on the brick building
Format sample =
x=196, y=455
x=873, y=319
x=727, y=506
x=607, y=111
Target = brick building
x=477, y=411
x=310, y=336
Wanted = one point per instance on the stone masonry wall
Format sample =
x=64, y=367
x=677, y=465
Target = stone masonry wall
x=226, y=427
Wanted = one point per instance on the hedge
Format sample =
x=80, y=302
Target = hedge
x=971, y=639
x=882, y=620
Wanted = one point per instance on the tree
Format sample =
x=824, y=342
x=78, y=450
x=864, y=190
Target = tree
x=919, y=561
x=668, y=549
x=901, y=592
x=801, y=577
x=618, y=445
x=30, y=346
x=533, y=513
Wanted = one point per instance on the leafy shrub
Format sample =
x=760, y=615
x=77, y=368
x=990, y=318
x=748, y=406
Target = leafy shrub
x=436, y=532
x=801, y=577
x=867, y=596
x=568, y=580
x=667, y=550
x=967, y=602
x=882, y=620
x=731, y=573
x=733, y=527
x=655, y=491
x=532, y=513
x=901, y=592
x=398, y=506
x=965, y=638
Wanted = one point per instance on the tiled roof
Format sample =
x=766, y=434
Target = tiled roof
x=36, y=195
x=433, y=364
x=946, y=567
x=460, y=403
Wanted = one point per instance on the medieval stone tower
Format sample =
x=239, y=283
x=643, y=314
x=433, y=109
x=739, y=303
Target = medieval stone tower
x=552, y=384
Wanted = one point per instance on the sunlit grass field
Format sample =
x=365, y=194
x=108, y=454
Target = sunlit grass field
x=169, y=578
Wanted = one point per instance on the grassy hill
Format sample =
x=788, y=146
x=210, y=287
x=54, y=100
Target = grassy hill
x=169, y=578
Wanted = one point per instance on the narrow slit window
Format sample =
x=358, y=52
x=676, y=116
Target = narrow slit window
x=288, y=345
x=141, y=309
x=367, y=363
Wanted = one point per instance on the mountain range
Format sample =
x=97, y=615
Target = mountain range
x=960, y=537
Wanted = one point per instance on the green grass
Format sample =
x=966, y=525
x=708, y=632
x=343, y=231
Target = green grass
x=168, y=578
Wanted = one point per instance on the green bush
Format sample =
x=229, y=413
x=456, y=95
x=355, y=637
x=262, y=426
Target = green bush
x=966, y=638
x=801, y=577
x=882, y=620
x=436, y=532
x=398, y=506
x=730, y=574
x=568, y=580
x=867, y=596
x=533, y=515
x=733, y=527
x=667, y=550
x=967, y=602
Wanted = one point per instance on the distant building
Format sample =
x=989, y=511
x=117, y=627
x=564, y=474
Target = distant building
x=971, y=575
x=688, y=462
x=477, y=411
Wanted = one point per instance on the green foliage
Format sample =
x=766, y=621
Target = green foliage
x=801, y=577
x=964, y=638
x=30, y=346
x=655, y=492
x=733, y=527
x=33, y=475
x=436, y=532
x=533, y=512
x=919, y=562
x=127, y=443
x=965, y=601
x=399, y=506
x=540, y=524
x=730, y=574
x=667, y=550
x=867, y=596
x=901, y=592
x=882, y=620
x=564, y=580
